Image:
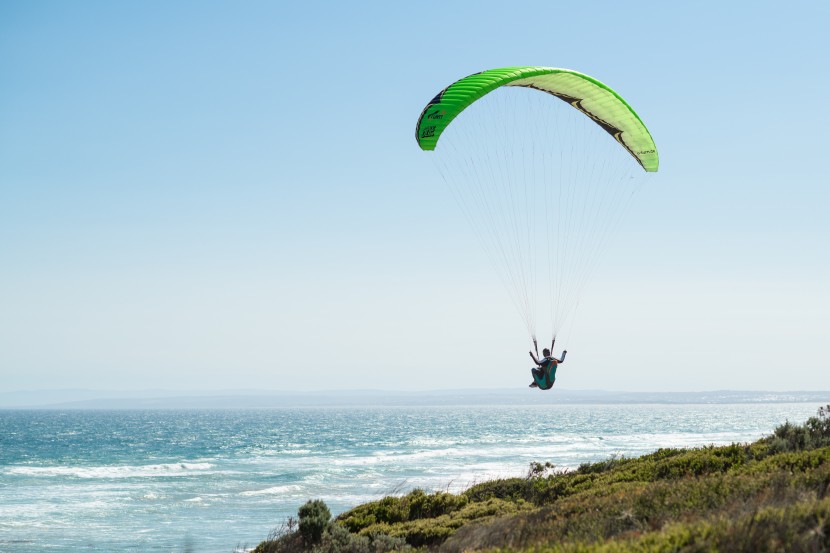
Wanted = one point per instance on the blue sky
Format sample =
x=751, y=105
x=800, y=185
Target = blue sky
x=213, y=195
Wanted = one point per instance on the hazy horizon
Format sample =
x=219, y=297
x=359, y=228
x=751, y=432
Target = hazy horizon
x=270, y=399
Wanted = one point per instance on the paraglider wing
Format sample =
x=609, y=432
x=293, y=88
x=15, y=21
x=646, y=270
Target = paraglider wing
x=540, y=183
x=591, y=97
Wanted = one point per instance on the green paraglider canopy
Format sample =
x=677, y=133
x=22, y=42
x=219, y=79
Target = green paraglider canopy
x=540, y=183
x=593, y=98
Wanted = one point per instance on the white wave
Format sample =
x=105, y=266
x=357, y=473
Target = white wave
x=112, y=471
x=276, y=490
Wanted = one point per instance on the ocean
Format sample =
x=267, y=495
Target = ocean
x=202, y=480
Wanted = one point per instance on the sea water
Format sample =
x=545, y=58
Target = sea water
x=220, y=480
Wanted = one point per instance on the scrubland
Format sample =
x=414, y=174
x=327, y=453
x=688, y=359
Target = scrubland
x=771, y=495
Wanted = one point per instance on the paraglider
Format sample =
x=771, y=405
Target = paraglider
x=506, y=147
x=544, y=375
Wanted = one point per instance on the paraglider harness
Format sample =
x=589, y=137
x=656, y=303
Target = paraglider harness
x=545, y=374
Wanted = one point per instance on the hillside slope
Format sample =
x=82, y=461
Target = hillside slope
x=771, y=495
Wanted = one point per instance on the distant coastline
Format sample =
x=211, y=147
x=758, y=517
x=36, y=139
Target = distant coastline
x=257, y=399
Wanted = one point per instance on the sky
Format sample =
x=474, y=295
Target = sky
x=223, y=195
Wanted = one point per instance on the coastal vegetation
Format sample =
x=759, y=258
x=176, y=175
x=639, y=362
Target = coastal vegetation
x=770, y=495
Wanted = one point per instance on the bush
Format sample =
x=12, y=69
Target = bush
x=415, y=505
x=314, y=517
x=812, y=434
x=433, y=505
x=504, y=488
x=339, y=540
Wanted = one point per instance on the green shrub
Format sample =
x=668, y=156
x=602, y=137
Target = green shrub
x=812, y=434
x=415, y=505
x=433, y=505
x=314, y=517
x=505, y=488
x=383, y=543
x=602, y=466
x=337, y=539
